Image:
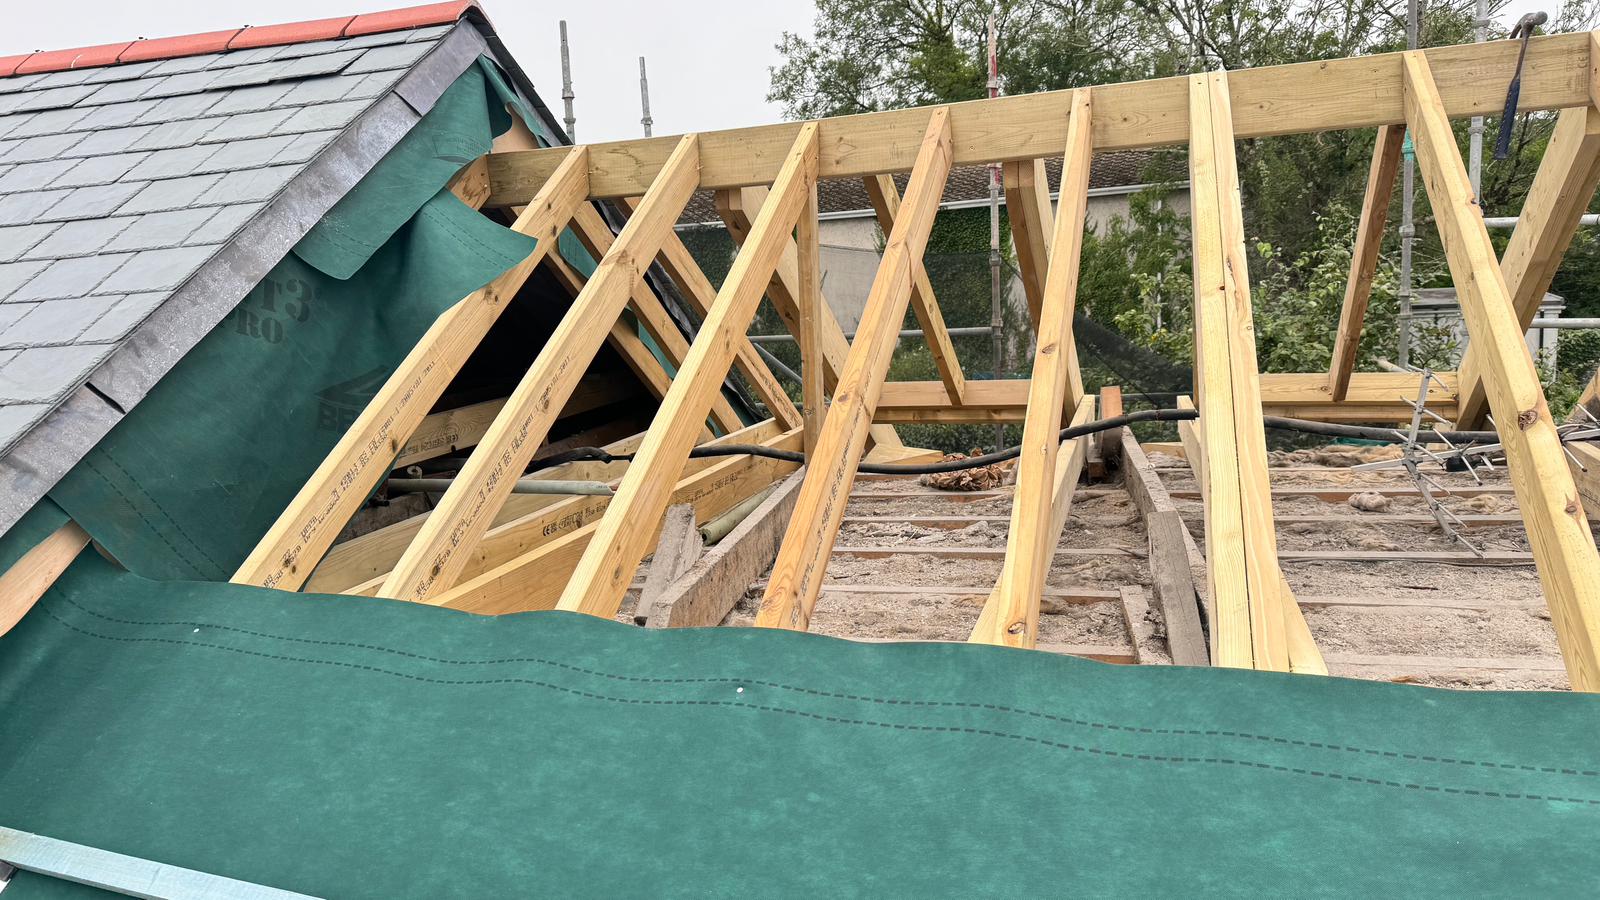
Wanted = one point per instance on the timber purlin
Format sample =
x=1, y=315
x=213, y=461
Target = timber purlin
x=471, y=554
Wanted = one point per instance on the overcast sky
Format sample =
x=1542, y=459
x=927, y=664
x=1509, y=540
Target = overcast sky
x=708, y=61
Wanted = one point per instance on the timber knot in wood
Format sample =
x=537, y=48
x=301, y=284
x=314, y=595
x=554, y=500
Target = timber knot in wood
x=1526, y=418
x=1572, y=508
x=1017, y=628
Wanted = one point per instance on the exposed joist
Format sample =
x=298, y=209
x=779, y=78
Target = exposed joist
x=1558, y=198
x=1170, y=576
x=609, y=562
x=1325, y=95
x=1569, y=567
x=35, y=571
x=1032, y=223
x=1364, y=258
x=431, y=563
x=885, y=199
x=1011, y=615
x=797, y=574
x=291, y=548
x=809, y=309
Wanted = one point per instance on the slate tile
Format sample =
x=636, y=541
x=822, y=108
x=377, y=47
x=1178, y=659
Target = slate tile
x=325, y=116
x=34, y=176
x=226, y=223
x=235, y=58
x=160, y=230
x=80, y=238
x=180, y=108
x=99, y=170
x=157, y=270
x=311, y=48
x=249, y=125
x=71, y=277
x=100, y=200
x=15, y=275
x=396, y=56
x=11, y=312
x=21, y=209
x=320, y=90
x=10, y=102
x=428, y=34
x=55, y=98
x=248, y=154
x=15, y=240
x=253, y=184
x=173, y=193
x=305, y=146
x=182, y=64
x=61, y=78
x=114, y=116
x=173, y=163
x=120, y=91
x=9, y=124
x=16, y=419
x=51, y=121
x=250, y=99
x=55, y=321
x=19, y=82
x=325, y=64
x=46, y=374
x=180, y=133
x=184, y=83
x=123, y=317
x=380, y=39
x=121, y=72
x=112, y=140
x=43, y=147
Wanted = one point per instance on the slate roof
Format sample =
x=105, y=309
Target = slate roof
x=146, y=187
x=970, y=184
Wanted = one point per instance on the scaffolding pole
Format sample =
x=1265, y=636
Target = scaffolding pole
x=644, y=99
x=996, y=310
x=566, y=86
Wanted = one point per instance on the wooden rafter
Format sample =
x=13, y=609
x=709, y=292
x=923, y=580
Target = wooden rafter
x=797, y=575
x=1240, y=538
x=809, y=308
x=1011, y=615
x=609, y=563
x=30, y=576
x=432, y=562
x=1032, y=223
x=290, y=549
x=1364, y=258
x=885, y=199
x=738, y=210
x=1558, y=198
x=1569, y=567
x=1325, y=95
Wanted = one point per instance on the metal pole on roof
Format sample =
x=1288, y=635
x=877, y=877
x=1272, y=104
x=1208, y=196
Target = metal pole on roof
x=1475, y=149
x=1408, y=227
x=566, y=85
x=996, y=311
x=644, y=98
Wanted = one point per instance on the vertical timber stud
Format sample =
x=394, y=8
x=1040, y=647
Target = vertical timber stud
x=1242, y=566
x=288, y=552
x=1011, y=615
x=1569, y=567
x=1364, y=257
x=796, y=578
x=434, y=559
x=885, y=198
x=624, y=536
x=809, y=302
x=1557, y=199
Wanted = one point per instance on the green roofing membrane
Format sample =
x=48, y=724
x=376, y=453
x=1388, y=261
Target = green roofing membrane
x=354, y=747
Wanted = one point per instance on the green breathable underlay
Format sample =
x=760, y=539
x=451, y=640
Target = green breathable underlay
x=354, y=747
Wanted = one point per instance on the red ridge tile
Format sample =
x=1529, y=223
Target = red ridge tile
x=8, y=64
x=291, y=33
x=77, y=58
x=410, y=17
x=185, y=45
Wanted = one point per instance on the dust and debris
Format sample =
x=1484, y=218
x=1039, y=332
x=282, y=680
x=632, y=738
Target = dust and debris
x=983, y=478
x=1370, y=501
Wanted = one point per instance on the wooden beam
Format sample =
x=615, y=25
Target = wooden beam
x=431, y=563
x=738, y=210
x=885, y=199
x=1170, y=576
x=35, y=571
x=1324, y=95
x=681, y=267
x=1011, y=616
x=1557, y=199
x=703, y=596
x=809, y=309
x=1032, y=223
x=449, y=430
x=592, y=231
x=1364, y=258
x=1108, y=443
x=535, y=579
x=797, y=574
x=676, y=551
x=1569, y=568
x=291, y=548
x=608, y=565
x=1241, y=547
